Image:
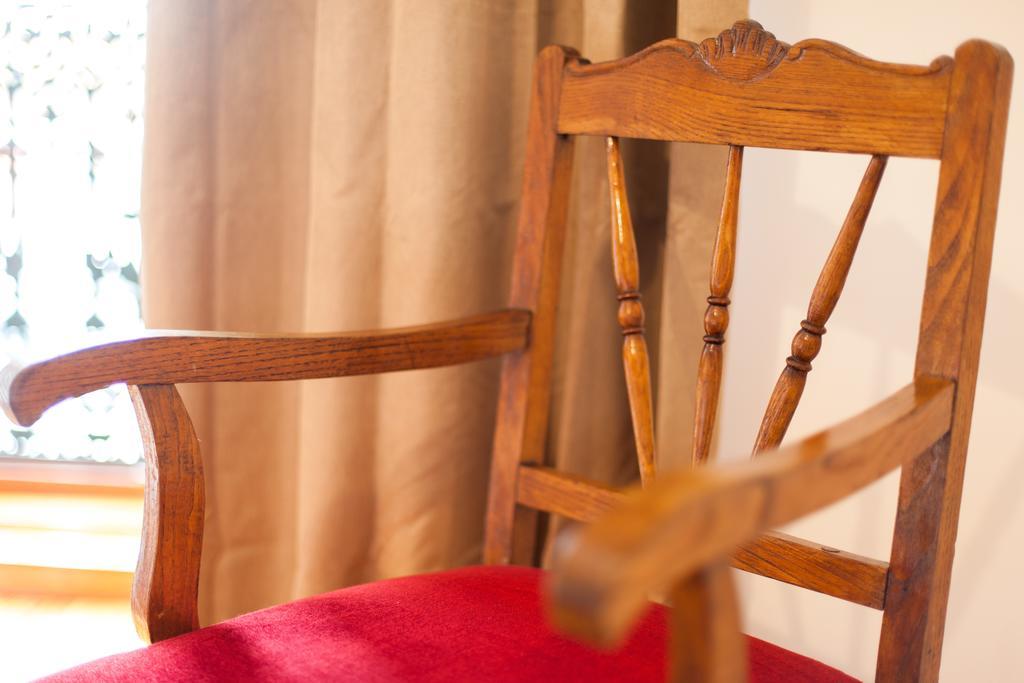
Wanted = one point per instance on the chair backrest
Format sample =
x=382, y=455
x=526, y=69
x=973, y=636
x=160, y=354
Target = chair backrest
x=745, y=88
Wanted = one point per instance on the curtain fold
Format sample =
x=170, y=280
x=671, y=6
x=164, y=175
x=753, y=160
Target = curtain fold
x=318, y=166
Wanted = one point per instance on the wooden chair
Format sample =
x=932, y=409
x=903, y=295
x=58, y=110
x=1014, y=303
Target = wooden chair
x=681, y=534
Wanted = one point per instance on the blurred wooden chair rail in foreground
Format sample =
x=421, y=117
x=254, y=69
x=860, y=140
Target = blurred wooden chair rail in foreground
x=683, y=532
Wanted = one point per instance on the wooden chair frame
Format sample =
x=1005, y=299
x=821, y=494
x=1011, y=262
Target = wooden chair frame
x=743, y=88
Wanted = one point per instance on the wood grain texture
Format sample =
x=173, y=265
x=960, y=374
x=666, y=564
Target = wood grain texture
x=820, y=568
x=906, y=650
x=773, y=554
x=807, y=343
x=716, y=319
x=180, y=357
x=524, y=395
x=165, y=589
x=568, y=495
x=689, y=520
x=635, y=359
x=707, y=645
x=745, y=88
x=952, y=318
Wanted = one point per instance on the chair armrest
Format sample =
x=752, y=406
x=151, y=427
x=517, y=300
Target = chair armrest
x=180, y=357
x=166, y=582
x=602, y=574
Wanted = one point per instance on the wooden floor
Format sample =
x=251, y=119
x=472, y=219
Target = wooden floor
x=43, y=635
x=66, y=557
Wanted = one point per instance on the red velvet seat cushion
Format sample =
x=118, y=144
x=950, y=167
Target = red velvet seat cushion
x=471, y=624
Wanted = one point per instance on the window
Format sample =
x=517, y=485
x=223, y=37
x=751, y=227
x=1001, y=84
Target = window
x=70, y=161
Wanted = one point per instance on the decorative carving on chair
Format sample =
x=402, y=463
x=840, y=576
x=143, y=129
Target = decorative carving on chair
x=742, y=52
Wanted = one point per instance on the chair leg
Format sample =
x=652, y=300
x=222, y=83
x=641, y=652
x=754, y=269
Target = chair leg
x=707, y=644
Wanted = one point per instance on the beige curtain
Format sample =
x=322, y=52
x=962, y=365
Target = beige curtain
x=332, y=165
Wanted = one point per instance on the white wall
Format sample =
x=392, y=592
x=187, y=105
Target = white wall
x=791, y=207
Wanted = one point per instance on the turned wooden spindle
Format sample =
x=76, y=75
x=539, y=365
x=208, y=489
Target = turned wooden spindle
x=807, y=342
x=716, y=319
x=631, y=315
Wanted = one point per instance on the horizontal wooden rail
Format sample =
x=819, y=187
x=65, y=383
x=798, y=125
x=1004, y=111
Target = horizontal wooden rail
x=602, y=573
x=776, y=555
x=182, y=357
x=820, y=568
x=746, y=88
x=568, y=495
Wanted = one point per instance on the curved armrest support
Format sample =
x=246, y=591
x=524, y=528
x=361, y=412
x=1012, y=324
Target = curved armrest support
x=181, y=357
x=602, y=574
x=165, y=588
x=166, y=582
